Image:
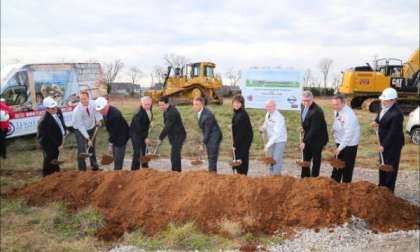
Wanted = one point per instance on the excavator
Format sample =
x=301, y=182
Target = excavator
x=183, y=84
x=364, y=84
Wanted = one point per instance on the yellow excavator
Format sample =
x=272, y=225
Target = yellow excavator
x=182, y=84
x=364, y=84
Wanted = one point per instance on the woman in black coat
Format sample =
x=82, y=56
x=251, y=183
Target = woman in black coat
x=242, y=133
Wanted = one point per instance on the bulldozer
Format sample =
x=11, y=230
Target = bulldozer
x=183, y=84
x=364, y=84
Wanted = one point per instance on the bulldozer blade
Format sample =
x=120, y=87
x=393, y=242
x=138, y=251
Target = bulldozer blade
x=303, y=163
x=337, y=163
x=235, y=163
x=106, y=159
x=197, y=162
x=57, y=162
x=268, y=160
x=385, y=168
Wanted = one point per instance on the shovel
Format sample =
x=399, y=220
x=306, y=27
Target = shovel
x=235, y=162
x=57, y=161
x=88, y=154
x=302, y=162
x=337, y=163
x=107, y=159
x=199, y=161
x=266, y=159
x=150, y=155
x=382, y=166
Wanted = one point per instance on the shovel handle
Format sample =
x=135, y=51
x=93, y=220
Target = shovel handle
x=379, y=142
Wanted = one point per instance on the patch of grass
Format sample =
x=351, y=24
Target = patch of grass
x=231, y=228
x=11, y=206
x=276, y=239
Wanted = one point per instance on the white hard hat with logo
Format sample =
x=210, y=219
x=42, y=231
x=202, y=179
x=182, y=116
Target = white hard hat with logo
x=4, y=116
x=49, y=102
x=388, y=94
x=100, y=103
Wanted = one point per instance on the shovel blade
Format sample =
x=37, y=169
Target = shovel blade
x=337, y=163
x=268, y=160
x=84, y=155
x=303, y=163
x=106, y=159
x=57, y=162
x=196, y=162
x=385, y=168
x=235, y=163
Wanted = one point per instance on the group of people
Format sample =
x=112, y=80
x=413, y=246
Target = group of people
x=90, y=114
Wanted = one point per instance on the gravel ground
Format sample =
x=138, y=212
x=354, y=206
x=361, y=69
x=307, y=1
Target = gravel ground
x=353, y=236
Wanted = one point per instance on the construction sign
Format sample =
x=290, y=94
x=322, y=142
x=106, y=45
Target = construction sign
x=281, y=85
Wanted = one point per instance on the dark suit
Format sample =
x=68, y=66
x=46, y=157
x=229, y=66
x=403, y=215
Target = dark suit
x=118, y=131
x=50, y=138
x=174, y=129
x=391, y=137
x=212, y=136
x=315, y=138
x=139, y=131
x=242, y=138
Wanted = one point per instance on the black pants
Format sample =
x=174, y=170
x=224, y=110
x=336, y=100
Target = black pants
x=348, y=155
x=3, y=133
x=81, y=148
x=47, y=167
x=391, y=157
x=213, y=154
x=176, y=149
x=312, y=152
x=242, y=153
x=139, y=150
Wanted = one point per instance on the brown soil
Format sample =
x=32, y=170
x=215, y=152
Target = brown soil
x=150, y=199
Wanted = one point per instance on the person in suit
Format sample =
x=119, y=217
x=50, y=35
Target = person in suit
x=50, y=135
x=139, y=131
x=212, y=135
x=174, y=130
x=117, y=128
x=389, y=123
x=242, y=133
x=315, y=134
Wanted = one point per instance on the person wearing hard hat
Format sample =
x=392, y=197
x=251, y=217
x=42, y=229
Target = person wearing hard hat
x=117, y=128
x=50, y=135
x=6, y=113
x=389, y=123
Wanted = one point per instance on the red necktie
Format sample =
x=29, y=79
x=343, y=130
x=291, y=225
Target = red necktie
x=87, y=111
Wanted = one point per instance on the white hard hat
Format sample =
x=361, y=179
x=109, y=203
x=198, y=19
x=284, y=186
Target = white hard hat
x=49, y=102
x=4, y=116
x=389, y=94
x=100, y=103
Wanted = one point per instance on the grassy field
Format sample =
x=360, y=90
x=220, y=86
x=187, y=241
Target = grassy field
x=53, y=228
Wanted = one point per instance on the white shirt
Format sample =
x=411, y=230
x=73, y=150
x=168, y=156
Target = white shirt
x=346, y=128
x=83, y=121
x=199, y=113
x=275, y=125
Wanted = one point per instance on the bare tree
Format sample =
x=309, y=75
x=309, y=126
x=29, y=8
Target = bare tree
x=111, y=71
x=324, y=67
x=307, y=78
x=159, y=73
x=234, y=76
x=175, y=60
x=135, y=74
x=336, y=80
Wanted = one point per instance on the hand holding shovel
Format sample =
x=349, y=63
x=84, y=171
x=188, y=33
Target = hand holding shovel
x=301, y=162
x=382, y=166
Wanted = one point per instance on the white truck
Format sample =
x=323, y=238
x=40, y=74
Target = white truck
x=24, y=86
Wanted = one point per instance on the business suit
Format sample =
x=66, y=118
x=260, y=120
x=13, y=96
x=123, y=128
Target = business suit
x=174, y=129
x=118, y=131
x=315, y=138
x=50, y=137
x=139, y=131
x=242, y=138
x=391, y=137
x=212, y=136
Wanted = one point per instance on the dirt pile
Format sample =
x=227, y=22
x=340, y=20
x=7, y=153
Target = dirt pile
x=151, y=199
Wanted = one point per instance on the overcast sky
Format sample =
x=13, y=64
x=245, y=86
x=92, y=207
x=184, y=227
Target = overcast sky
x=231, y=33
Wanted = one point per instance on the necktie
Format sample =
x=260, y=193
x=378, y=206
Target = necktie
x=305, y=111
x=87, y=111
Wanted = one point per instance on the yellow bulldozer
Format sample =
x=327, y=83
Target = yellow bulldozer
x=182, y=84
x=364, y=84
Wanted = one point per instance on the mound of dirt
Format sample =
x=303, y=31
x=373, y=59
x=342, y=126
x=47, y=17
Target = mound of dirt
x=150, y=199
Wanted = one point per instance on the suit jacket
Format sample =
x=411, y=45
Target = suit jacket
x=117, y=127
x=391, y=128
x=209, y=126
x=242, y=129
x=315, y=127
x=49, y=133
x=140, y=124
x=173, y=126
